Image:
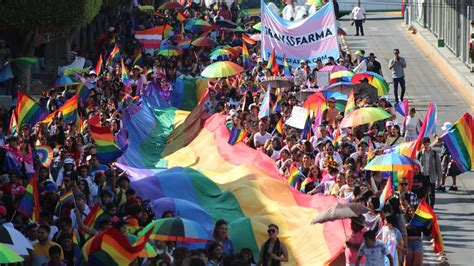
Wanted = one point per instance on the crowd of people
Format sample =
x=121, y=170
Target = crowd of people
x=330, y=166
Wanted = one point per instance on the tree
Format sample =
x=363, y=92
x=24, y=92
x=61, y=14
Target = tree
x=24, y=24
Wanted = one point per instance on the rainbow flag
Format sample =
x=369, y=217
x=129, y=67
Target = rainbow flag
x=29, y=204
x=386, y=193
x=113, y=54
x=286, y=68
x=76, y=248
x=236, y=136
x=247, y=39
x=138, y=58
x=66, y=198
x=422, y=216
x=28, y=111
x=246, y=57
x=279, y=127
x=93, y=216
x=272, y=63
x=350, y=106
x=184, y=43
x=265, y=105
x=68, y=110
x=98, y=67
x=459, y=140
x=295, y=176
x=107, y=149
x=112, y=247
x=180, y=16
x=306, y=134
x=13, y=129
x=126, y=82
x=436, y=235
x=278, y=102
x=83, y=93
x=336, y=137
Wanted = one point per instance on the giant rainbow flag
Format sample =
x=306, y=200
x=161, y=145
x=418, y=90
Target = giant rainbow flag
x=182, y=161
x=459, y=140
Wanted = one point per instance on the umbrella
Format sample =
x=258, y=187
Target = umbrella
x=374, y=80
x=320, y=98
x=277, y=82
x=223, y=51
x=258, y=26
x=390, y=162
x=204, y=42
x=340, y=211
x=333, y=68
x=177, y=229
x=347, y=87
x=15, y=240
x=171, y=5
x=170, y=51
x=147, y=252
x=62, y=81
x=222, y=69
x=341, y=76
x=198, y=25
x=364, y=116
x=7, y=255
x=256, y=37
x=314, y=101
x=226, y=24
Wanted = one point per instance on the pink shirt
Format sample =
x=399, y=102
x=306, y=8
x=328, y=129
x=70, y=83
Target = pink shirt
x=352, y=253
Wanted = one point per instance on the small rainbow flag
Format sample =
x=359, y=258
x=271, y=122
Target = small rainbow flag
x=68, y=110
x=272, y=63
x=336, y=137
x=278, y=102
x=93, y=216
x=138, y=58
x=459, y=140
x=13, y=125
x=98, y=67
x=126, y=82
x=29, y=203
x=237, y=135
x=402, y=107
x=306, y=134
x=113, y=54
x=28, y=111
x=66, y=198
x=107, y=149
x=248, y=40
x=350, y=106
x=295, y=176
x=286, y=68
x=245, y=56
x=184, y=43
x=180, y=16
x=279, y=127
x=386, y=192
x=422, y=216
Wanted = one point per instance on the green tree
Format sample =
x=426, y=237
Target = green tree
x=25, y=23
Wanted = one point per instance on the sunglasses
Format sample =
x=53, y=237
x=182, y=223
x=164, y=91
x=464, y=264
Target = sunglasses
x=404, y=184
x=271, y=231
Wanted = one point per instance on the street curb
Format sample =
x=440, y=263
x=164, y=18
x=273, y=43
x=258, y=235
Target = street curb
x=457, y=79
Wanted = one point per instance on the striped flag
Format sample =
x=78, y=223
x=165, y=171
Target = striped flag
x=29, y=203
x=248, y=40
x=237, y=135
x=386, y=192
x=98, y=67
x=68, y=111
x=272, y=63
x=265, y=105
x=66, y=198
x=286, y=68
x=295, y=176
x=350, y=106
x=113, y=54
x=279, y=127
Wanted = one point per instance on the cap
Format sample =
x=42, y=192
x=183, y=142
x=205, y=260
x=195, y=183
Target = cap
x=260, y=60
x=232, y=112
x=389, y=123
x=92, y=72
x=69, y=161
x=302, y=61
x=50, y=187
x=332, y=99
x=446, y=126
x=252, y=106
x=3, y=211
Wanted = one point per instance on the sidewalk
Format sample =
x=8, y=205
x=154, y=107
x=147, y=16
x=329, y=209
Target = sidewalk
x=427, y=81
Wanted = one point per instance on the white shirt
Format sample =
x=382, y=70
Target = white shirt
x=358, y=13
x=261, y=138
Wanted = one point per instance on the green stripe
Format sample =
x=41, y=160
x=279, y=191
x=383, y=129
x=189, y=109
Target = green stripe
x=224, y=205
x=189, y=100
x=152, y=147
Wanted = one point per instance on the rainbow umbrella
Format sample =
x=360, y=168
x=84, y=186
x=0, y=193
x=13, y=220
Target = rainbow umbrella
x=346, y=88
x=170, y=5
x=317, y=3
x=390, y=162
x=225, y=53
x=258, y=26
x=7, y=255
x=222, y=69
x=341, y=76
x=333, y=68
x=364, y=116
x=315, y=100
x=198, y=25
x=375, y=80
x=169, y=51
x=177, y=230
x=204, y=42
x=44, y=154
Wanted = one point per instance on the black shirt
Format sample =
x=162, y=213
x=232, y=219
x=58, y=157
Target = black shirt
x=421, y=185
x=374, y=67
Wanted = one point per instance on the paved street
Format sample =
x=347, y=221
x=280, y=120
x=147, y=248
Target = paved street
x=383, y=33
